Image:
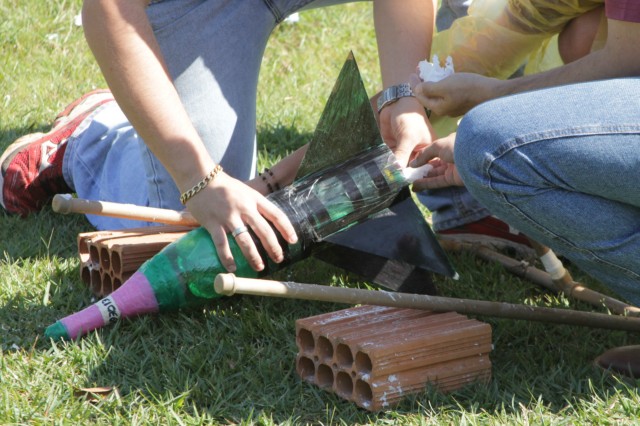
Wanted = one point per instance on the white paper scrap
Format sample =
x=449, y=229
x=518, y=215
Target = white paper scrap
x=433, y=71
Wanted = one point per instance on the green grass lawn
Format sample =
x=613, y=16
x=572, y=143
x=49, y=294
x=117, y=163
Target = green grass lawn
x=234, y=361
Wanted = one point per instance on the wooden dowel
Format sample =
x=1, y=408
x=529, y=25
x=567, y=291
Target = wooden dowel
x=229, y=284
x=65, y=203
x=564, y=283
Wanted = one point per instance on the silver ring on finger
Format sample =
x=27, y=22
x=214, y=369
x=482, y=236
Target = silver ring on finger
x=239, y=230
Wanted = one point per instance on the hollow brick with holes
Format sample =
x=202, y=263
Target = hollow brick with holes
x=374, y=356
x=109, y=258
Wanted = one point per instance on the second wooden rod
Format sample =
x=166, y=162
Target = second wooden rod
x=229, y=284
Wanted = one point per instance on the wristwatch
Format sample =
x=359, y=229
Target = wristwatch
x=392, y=94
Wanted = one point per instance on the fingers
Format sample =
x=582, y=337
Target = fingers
x=441, y=175
x=442, y=148
x=404, y=128
x=429, y=153
x=431, y=95
x=219, y=237
x=260, y=224
x=420, y=91
x=279, y=220
x=247, y=247
x=263, y=231
x=242, y=214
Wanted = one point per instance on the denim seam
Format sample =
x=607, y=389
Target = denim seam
x=277, y=14
x=521, y=141
x=470, y=217
x=154, y=173
x=67, y=175
x=161, y=28
x=588, y=254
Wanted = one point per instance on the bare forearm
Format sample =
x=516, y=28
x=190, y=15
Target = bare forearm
x=123, y=43
x=619, y=58
x=282, y=173
x=404, y=30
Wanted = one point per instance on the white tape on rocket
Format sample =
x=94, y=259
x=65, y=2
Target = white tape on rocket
x=109, y=310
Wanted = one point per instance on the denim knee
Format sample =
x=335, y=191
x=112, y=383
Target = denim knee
x=472, y=151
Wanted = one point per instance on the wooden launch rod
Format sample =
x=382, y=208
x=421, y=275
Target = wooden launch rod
x=229, y=284
x=65, y=203
x=559, y=280
x=565, y=283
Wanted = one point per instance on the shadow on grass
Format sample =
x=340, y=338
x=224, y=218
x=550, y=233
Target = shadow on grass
x=39, y=273
x=235, y=360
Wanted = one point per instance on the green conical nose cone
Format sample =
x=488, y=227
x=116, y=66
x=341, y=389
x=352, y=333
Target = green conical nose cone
x=56, y=331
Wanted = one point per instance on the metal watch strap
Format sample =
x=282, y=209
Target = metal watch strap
x=392, y=94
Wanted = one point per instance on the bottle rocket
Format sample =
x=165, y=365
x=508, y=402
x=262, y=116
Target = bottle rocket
x=348, y=174
x=182, y=274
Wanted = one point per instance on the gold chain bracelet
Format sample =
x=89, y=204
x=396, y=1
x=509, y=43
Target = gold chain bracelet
x=186, y=196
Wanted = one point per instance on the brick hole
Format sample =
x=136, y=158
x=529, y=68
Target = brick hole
x=117, y=283
x=363, y=363
x=306, y=369
x=94, y=255
x=96, y=281
x=324, y=376
x=344, y=385
x=363, y=394
x=344, y=356
x=116, y=262
x=105, y=259
x=107, y=285
x=306, y=343
x=85, y=274
x=325, y=349
x=83, y=251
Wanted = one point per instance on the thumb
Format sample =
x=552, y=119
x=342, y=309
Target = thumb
x=402, y=156
x=416, y=83
x=421, y=91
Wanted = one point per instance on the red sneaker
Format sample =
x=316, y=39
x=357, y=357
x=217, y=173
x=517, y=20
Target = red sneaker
x=491, y=232
x=31, y=167
x=86, y=102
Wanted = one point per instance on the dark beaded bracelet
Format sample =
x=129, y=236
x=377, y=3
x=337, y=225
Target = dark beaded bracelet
x=267, y=177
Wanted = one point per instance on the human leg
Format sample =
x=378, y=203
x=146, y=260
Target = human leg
x=32, y=166
x=91, y=150
x=561, y=165
x=215, y=70
x=103, y=162
x=216, y=73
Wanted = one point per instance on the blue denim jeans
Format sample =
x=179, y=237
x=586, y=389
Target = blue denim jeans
x=449, y=11
x=213, y=50
x=563, y=165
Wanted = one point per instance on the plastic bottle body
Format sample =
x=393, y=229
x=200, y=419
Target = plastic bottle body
x=182, y=273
